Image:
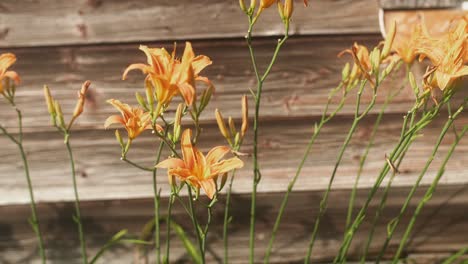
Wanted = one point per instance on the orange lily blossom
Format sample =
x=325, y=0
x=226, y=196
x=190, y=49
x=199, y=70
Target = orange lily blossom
x=362, y=65
x=6, y=60
x=198, y=170
x=134, y=120
x=407, y=47
x=171, y=76
x=448, y=55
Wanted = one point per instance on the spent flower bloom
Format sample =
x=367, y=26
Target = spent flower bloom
x=448, y=55
x=6, y=60
x=170, y=76
x=198, y=170
x=135, y=120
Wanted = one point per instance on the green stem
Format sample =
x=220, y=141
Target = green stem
x=136, y=165
x=34, y=219
x=430, y=190
x=226, y=219
x=156, y=206
x=324, y=202
x=394, y=223
x=77, y=217
x=256, y=169
x=168, y=227
x=405, y=139
x=291, y=184
x=195, y=224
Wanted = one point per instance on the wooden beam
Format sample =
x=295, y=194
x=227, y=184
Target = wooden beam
x=103, y=176
x=440, y=229
x=55, y=22
x=299, y=84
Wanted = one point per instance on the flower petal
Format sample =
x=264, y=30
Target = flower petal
x=6, y=60
x=216, y=153
x=113, y=120
x=200, y=62
x=209, y=186
x=226, y=165
x=171, y=163
x=137, y=66
x=14, y=76
x=188, y=152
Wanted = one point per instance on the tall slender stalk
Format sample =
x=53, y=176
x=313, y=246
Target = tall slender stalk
x=432, y=187
x=324, y=119
x=196, y=225
x=394, y=223
x=156, y=206
x=258, y=96
x=405, y=139
x=34, y=221
x=77, y=217
x=168, y=227
x=226, y=219
x=324, y=201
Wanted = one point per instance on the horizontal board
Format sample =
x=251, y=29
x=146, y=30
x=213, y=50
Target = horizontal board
x=299, y=84
x=420, y=4
x=282, y=143
x=55, y=22
x=440, y=230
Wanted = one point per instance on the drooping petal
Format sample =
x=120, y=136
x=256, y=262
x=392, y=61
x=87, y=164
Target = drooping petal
x=124, y=109
x=216, y=153
x=6, y=60
x=171, y=163
x=137, y=66
x=226, y=165
x=209, y=186
x=115, y=119
x=13, y=75
x=188, y=93
x=200, y=62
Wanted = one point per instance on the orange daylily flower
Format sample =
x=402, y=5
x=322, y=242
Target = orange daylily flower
x=171, y=76
x=362, y=65
x=134, y=120
x=408, y=47
x=448, y=55
x=6, y=60
x=198, y=170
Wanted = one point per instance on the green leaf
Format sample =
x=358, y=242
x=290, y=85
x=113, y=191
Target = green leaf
x=112, y=241
x=189, y=246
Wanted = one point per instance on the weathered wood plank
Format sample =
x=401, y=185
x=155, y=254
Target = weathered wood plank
x=441, y=228
x=282, y=144
x=298, y=86
x=55, y=22
x=420, y=4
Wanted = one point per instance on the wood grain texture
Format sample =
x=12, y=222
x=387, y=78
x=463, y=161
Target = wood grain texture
x=420, y=4
x=56, y=22
x=440, y=230
x=282, y=143
x=299, y=84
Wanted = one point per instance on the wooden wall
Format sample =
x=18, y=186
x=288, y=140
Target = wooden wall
x=63, y=43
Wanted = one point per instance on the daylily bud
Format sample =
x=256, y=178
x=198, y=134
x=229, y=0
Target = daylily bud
x=375, y=60
x=223, y=181
x=177, y=121
x=119, y=138
x=253, y=4
x=389, y=41
x=81, y=99
x=413, y=84
x=141, y=100
x=206, y=97
x=59, y=112
x=266, y=3
x=242, y=5
x=288, y=9
x=149, y=95
x=245, y=115
x=345, y=72
x=49, y=100
x=232, y=126
x=281, y=10
x=222, y=126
